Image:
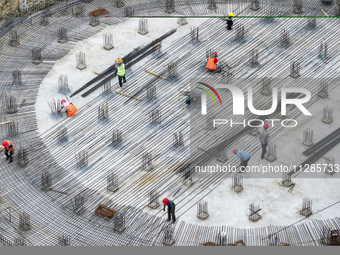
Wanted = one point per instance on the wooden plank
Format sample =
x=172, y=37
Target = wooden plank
x=160, y=76
x=2, y=123
x=127, y=95
x=97, y=73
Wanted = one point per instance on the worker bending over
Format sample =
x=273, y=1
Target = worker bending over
x=9, y=150
x=244, y=158
x=171, y=209
x=212, y=63
x=70, y=108
x=121, y=72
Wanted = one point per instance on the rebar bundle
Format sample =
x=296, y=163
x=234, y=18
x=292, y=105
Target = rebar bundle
x=119, y=222
x=255, y=5
x=63, y=84
x=78, y=204
x=237, y=183
x=306, y=207
x=151, y=92
x=56, y=107
x=182, y=21
x=330, y=162
x=62, y=134
x=64, y=240
x=295, y=69
x=129, y=11
x=284, y=38
x=143, y=26
x=14, y=38
x=62, y=35
x=153, y=199
x=323, y=93
x=119, y=3
x=155, y=116
x=17, y=79
x=202, y=210
x=178, y=139
x=297, y=6
x=212, y=5
x=308, y=137
x=254, y=214
x=169, y=6
x=286, y=179
x=94, y=21
x=108, y=41
x=22, y=158
x=103, y=112
x=327, y=114
x=146, y=161
x=24, y=221
x=11, y=129
x=271, y=153
x=239, y=32
x=254, y=57
x=194, y=34
x=81, y=60
x=46, y=180
x=323, y=49
x=168, y=235
x=112, y=182
x=10, y=104
x=311, y=23
x=82, y=158
x=36, y=56
x=117, y=137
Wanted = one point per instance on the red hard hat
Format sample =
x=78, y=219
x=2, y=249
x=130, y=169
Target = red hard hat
x=165, y=201
x=234, y=151
x=63, y=101
x=5, y=143
x=266, y=125
x=215, y=53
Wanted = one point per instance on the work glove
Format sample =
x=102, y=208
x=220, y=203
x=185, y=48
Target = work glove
x=171, y=211
x=164, y=209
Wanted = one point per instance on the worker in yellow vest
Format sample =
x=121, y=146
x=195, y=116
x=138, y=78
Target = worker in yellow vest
x=121, y=72
x=9, y=150
x=70, y=108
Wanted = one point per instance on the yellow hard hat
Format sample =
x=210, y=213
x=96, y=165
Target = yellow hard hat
x=231, y=14
x=118, y=60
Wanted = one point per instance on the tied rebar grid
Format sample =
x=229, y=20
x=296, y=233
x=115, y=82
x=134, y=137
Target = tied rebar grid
x=82, y=159
x=240, y=32
x=56, y=107
x=119, y=3
x=46, y=181
x=286, y=180
x=81, y=60
x=19, y=241
x=284, y=38
x=168, y=235
x=295, y=69
x=237, y=183
x=62, y=134
x=143, y=26
x=129, y=11
x=4, y=241
x=11, y=105
x=63, y=84
x=327, y=114
x=44, y=20
x=182, y=21
x=178, y=139
x=306, y=207
x=308, y=137
x=323, y=93
x=323, y=50
x=194, y=34
x=36, y=56
x=265, y=89
x=13, y=38
x=119, y=222
x=254, y=212
x=311, y=23
x=202, y=210
x=108, y=41
x=22, y=157
x=156, y=116
x=255, y=5
x=271, y=153
x=169, y=6
x=146, y=164
x=16, y=78
x=154, y=199
x=64, y=240
x=254, y=57
x=94, y=21
x=62, y=35
x=112, y=182
x=151, y=92
x=212, y=5
x=330, y=165
x=24, y=221
x=172, y=71
x=103, y=112
x=117, y=137
x=11, y=129
x=78, y=204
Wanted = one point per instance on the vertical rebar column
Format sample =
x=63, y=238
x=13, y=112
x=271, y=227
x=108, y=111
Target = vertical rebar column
x=286, y=179
x=22, y=157
x=153, y=199
x=169, y=6
x=155, y=116
x=78, y=203
x=151, y=92
x=13, y=38
x=284, y=38
x=308, y=137
x=212, y=5
x=172, y=71
x=202, y=210
x=119, y=3
x=11, y=105
x=56, y=107
x=81, y=60
x=117, y=137
x=62, y=134
x=254, y=57
x=63, y=84
x=146, y=161
x=254, y=214
x=295, y=69
x=239, y=32
x=82, y=159
x=194, y=34
x=12, y=129
x=323, y=93
x=64, y=240
x=62, y=35
x=182, y=21
x=112, y=182
x=17, y=79
x=327, y=116
x=119, y=222
x=36, y=56
x=108, y=41
x=306, y=207
x=94, y=21
x=24, y=221
x=330, y=165
x=129, y=11
x=311, y=23
x=237, y=183
x=143, y=26
x=297, y=6
x=178, y=139
x=255, y=5
x=271, y=153
x=107, y=87
x=46, y=180
x=103, y=112
x=168, y=235
x=187, y=177
x=323, y=49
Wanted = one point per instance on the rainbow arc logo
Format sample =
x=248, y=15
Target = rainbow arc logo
x=209, y=93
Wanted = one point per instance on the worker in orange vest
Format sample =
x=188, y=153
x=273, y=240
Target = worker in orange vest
x=9, y=147
x=70, y=108
x=212, y=63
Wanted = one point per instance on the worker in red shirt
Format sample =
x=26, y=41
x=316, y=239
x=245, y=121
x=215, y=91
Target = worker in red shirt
x=9, y=148
x=212, y=63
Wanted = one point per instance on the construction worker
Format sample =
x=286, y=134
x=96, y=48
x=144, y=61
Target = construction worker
x=264, y=139
x=244, y=158
x=9, y=147
x=121, y=72
x=211, y=64
x=230, y=21
x=171, y=209
x=70, y=108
